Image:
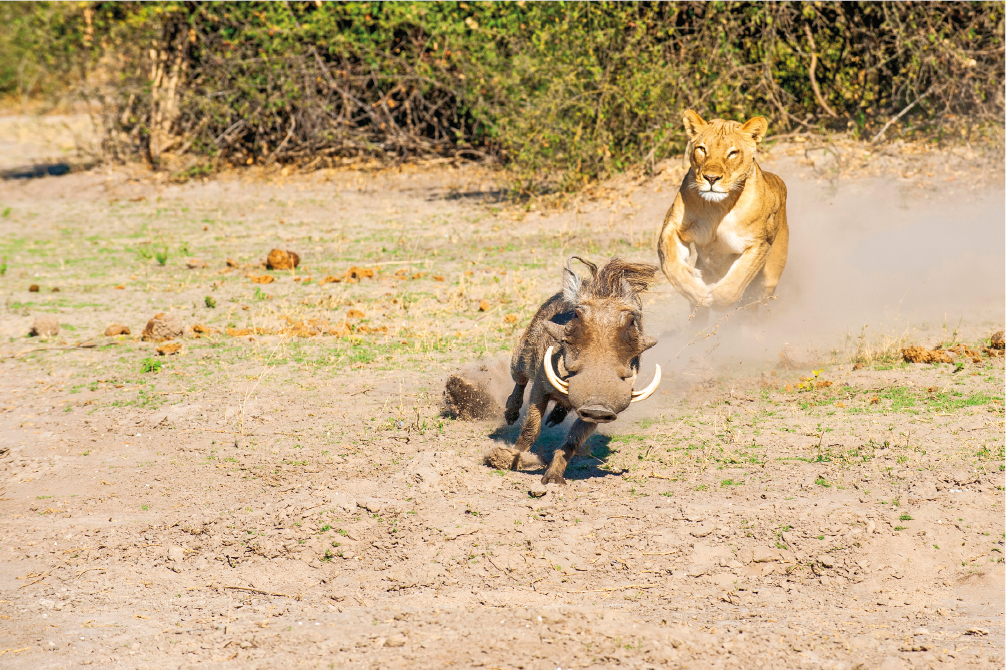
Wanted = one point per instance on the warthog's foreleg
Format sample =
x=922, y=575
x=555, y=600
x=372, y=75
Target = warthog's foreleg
x=575, y=441
x=557, y=415
x=531, y=429
x=514, y=403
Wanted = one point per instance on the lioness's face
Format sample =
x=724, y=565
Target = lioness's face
x=721, y=153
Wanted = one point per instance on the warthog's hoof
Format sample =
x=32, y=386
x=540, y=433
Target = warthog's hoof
x=511, y=416
x=553, y=478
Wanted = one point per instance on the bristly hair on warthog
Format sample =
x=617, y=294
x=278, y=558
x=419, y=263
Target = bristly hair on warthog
x=582, y=351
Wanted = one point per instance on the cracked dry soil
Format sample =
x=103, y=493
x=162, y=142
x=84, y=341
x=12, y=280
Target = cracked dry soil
x=290, y=496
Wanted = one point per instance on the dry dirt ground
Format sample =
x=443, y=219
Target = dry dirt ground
x=285, y=492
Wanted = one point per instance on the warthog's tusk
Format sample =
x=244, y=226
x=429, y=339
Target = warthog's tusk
x=648, y=391
x=553, y=378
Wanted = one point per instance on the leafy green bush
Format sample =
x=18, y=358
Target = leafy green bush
x=563, y=93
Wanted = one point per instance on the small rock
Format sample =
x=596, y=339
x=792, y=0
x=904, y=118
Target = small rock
x=977, y=632
x=537, y=490
x=169, y=349
x=163, y=327
x=920, y=631
x=826, y=560
x=871, y=527
x=892, y=663
x=919, y=354
x=45, y=325
x=282, y=260
x=998, y=340
x=117, y=329
x=372, y=506
x=50, y=645
x=551, y=617
x=697, y=570
x=395, y=641
x=764, y=555
x=176, y=554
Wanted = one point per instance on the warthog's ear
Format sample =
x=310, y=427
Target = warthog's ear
x=693, y=123
x=556, y=331
x=756, y=128
x=646, y=342
x=570, y=286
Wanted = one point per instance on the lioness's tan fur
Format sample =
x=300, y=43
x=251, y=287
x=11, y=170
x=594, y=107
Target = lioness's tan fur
x=727, y=227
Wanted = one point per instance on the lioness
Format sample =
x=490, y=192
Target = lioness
x=727, y=226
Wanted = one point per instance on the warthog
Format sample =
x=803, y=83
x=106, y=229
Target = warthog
x=581, y=350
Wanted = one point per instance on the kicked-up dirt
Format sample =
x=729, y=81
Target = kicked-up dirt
x=285, y=489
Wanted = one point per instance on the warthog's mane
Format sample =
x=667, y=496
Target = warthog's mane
x=615, y=279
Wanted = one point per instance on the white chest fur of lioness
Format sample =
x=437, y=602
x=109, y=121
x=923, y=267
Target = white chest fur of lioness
x=727, y=228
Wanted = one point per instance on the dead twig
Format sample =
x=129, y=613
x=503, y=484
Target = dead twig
x=82, y=345
x=813, y=79
x=615, y=588
x=258, y=591
x=894, y=119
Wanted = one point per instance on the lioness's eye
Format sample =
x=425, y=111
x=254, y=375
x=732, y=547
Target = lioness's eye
x=702, y=149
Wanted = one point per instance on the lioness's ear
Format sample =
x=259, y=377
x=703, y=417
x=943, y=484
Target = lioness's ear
x=693, y=123
x=756, y=128
x=555, y=330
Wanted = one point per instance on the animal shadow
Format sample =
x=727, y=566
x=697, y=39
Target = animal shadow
x=581, y=467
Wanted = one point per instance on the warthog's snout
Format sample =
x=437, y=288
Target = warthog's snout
x=596, y=413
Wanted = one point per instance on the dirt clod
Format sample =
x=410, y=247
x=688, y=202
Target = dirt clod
x=33, y=288
x=282, y=260
x=919, y=354
x=117, y=329
x=45, y=325
x=359, y=273
x=483, y=306
x=479, y=391
x=998, y=340
x=163, y=327
x=200, y=329
x=195, y=264
x=169, y=349
x=263, y=279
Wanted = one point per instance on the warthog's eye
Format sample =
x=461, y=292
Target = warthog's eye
x=732, y=153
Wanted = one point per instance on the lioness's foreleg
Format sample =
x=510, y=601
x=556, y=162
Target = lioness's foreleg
x=575, y=441
x=730, y=289
x=674, y=259
x=775, y=262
